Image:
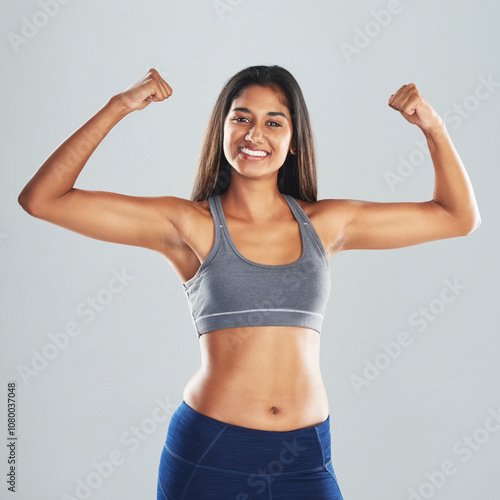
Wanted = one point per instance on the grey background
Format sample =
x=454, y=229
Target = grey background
x=142, y=347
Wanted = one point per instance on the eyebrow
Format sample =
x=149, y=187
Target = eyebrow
x=270, y=113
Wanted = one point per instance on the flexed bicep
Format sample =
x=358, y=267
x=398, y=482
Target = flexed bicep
x=378, y=225
x=149, y=222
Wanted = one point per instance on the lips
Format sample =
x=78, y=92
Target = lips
x=254, y=153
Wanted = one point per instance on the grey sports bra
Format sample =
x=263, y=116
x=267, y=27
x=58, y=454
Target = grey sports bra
x=229, y=291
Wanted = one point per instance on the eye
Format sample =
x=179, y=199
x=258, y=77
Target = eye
x=239, y=118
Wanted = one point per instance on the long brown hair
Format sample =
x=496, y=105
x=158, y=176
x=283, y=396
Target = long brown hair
x=297, y=176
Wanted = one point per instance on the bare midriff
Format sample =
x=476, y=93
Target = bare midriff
x=264, y=378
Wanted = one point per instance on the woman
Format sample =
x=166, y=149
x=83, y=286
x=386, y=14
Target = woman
x=251, y=249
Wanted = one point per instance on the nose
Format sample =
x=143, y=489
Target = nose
x=254, y=134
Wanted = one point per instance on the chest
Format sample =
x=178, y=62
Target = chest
x=267, y=244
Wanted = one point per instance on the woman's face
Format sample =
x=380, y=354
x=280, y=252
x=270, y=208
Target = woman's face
x=257, y=132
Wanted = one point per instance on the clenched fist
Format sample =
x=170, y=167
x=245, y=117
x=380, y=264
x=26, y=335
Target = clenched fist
x=150, y=88
x=414, y=108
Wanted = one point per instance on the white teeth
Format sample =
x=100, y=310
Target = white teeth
x=253, y=153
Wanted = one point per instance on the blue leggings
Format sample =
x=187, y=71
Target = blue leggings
x=206, y=459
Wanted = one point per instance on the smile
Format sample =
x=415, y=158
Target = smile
x=254, y=154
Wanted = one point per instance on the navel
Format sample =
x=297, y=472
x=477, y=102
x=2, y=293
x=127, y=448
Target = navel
x=274, y=410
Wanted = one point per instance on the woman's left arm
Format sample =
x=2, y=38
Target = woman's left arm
x=452, y=212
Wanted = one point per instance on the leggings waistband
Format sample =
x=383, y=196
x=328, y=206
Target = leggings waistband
x=199, y=439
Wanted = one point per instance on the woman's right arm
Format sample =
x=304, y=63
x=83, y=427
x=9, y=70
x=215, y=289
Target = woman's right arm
x=50, y=194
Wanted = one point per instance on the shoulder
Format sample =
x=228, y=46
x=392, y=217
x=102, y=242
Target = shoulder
x=183, y=214
x=323, y=208
x=183, y=208
x=329, y=218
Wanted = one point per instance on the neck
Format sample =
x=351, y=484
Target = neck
x=252, y=203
